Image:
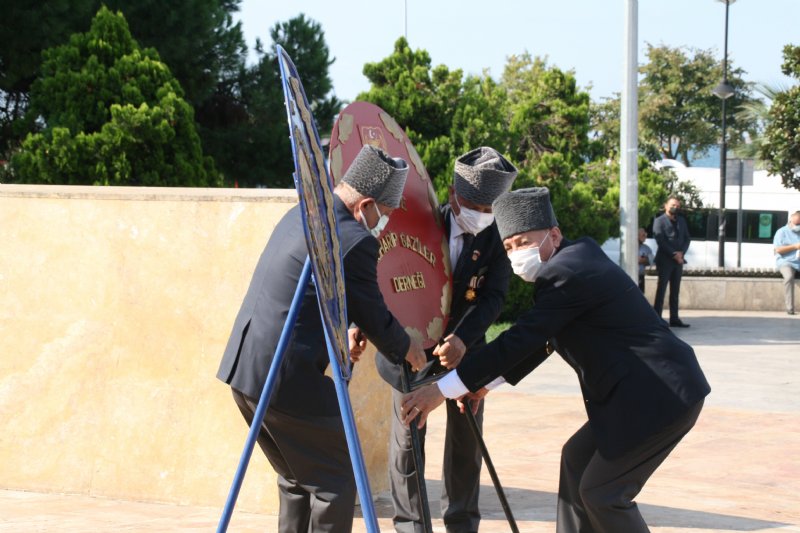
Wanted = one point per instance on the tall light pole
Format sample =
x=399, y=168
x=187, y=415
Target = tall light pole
x=405, y=18
x=723, y=91
x=629, y=147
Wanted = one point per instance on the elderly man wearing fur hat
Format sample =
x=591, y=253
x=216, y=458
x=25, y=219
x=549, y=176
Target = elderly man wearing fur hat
x=302, y=433
x=643, y=388
x=481, y=273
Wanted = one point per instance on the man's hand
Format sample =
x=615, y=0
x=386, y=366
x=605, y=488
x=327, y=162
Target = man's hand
x=416, y=356
x=678, y=257
x=473, y=399
x=420, y=403
x=357, y=342
x=450, y=352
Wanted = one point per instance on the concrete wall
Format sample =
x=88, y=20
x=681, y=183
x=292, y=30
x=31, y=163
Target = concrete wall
x=731, y=294
x=115, y=307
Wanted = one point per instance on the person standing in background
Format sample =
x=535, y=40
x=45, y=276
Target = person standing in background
x=645, y=257
x=672, y=236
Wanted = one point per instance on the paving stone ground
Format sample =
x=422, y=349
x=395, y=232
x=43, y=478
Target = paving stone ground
x=738, y=470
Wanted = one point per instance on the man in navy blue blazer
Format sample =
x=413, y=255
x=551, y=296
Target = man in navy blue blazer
x=302, y=434
x=642, y=387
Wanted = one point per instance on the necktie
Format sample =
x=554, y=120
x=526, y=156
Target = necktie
x=466, y=250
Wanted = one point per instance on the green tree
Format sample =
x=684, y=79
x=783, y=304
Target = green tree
x=197, y=39
x=678, y=111
x=304, y=41
x=550, y=126
x=549, y=112
x=113, y=115
x=26, y=28
x=250, y=141
x=443, y=113
x=536, y=114
x=756, y=112
x=781, y=147
x=604, y=117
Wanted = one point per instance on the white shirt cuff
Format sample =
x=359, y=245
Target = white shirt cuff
x=451, y=386
x=495, y=383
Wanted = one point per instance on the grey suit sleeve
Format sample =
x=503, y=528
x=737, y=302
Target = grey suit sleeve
x=365, y=305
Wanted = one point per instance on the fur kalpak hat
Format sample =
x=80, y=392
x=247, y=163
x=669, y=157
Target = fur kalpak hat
x=482, y=175
x=523, y=210
x=376, y=175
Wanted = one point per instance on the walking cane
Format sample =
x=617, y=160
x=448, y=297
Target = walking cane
x=419, y=464
x=473, y=424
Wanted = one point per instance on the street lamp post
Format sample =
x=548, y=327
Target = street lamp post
x=723, y=91
x=405, y=18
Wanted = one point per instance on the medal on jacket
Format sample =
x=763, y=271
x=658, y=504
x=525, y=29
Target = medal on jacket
x=470, y=295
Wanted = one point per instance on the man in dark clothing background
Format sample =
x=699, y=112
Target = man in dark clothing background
x=672, y=237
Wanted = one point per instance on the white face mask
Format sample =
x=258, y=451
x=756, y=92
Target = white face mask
x=473, y=221
x=383, y=221
x=527, y=262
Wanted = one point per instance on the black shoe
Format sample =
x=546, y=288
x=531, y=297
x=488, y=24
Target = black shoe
x=789, y=312
x=678, y=324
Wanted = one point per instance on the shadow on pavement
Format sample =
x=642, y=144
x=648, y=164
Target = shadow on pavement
x=742, y=330
x=539, y=506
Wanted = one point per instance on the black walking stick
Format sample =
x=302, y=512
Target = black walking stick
x=419, y=464
x=473, y=424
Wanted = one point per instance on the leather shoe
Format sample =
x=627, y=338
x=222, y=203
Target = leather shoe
x=678, y=324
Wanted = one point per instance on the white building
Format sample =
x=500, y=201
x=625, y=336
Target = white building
x=766, y=205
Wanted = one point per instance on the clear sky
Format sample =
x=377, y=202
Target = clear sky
x=586, y=36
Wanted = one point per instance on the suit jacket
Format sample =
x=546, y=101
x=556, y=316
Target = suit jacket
x=670, y=237
x=302, y=388
x=636, y=376
x=481, y=273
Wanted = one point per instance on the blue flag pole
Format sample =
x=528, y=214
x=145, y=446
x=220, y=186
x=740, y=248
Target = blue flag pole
x=266, y=393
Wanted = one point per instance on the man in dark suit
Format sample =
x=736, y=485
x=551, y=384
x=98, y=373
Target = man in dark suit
x=480, y=281
x=672, y=236
x=302, y=433
x=643, y=388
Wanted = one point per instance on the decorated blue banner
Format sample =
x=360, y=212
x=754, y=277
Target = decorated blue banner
x=315, y=190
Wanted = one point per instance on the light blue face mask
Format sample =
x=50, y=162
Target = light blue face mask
x=383, y=221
